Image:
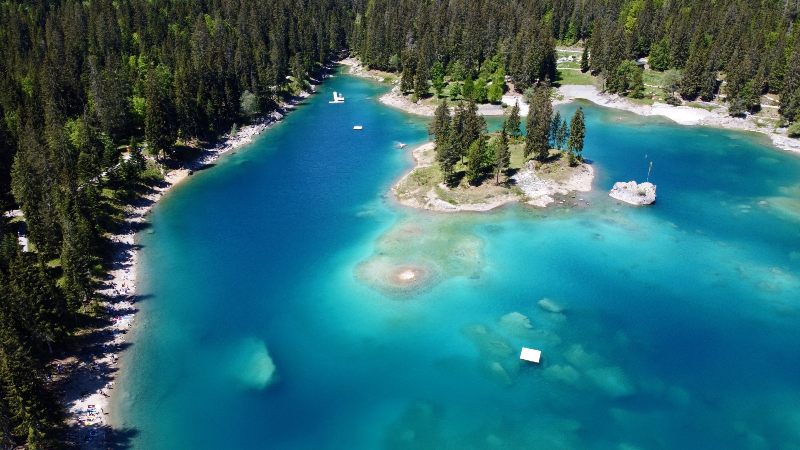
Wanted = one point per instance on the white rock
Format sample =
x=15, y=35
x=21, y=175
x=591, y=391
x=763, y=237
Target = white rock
x=633, y=193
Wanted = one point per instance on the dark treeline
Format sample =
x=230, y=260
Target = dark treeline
x=83, y=84
x=461, y=35
x=752, y=45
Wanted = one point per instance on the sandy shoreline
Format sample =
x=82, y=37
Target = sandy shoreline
x=683, y=115
x=89, y=388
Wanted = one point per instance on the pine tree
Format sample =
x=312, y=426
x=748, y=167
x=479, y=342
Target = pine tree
x=512, y=124
x=448, y=154
x=474, y=125
x=659, y=58
x=501, y=153
x=468, y=91
x=555, y=124
x=577, y=134
x=409, y=73
x=636, y=88
x=441, y=122
x=159, y=120
x=790, y=96
x=585, y=59
x=562, y=135
x=495, y=93
x=476, y=160
x=437, y=78
x=455, y=90
x=538, y=125
x=421, y=81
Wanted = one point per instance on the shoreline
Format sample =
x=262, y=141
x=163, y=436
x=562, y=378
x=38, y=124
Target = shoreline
x=682, y=115
x=88, y=390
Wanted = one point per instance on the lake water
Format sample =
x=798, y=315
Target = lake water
x=261, y=328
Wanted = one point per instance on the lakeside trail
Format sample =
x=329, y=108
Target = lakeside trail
x=87, y=378
x=683, y=115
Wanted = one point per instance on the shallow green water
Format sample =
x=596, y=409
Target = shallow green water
x=260, y=329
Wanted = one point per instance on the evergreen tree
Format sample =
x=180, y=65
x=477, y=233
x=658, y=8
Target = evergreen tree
x=448, y=154
x=585, y=59
x=577, y=134
x=500, y=153
x=421, y=81
x=636, y=87
x=437, y=78
x=538, y=125
x=790, y=96
x=468, y=90
x=555, y=124
x=455, y=90
x=480, y=93
x=441, y=122
x=495, y=93
x=159, y=126
x=476, y=160
x=512, y=123
x=562, y=135
x=407, y=77
x=474, y=125
x=659, y=58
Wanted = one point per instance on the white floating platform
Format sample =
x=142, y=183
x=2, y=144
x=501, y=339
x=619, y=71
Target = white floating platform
x=530, y=355
x=337, y=98
x=358, y=127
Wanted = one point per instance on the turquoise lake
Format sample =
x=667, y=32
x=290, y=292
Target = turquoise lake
x=679, y=326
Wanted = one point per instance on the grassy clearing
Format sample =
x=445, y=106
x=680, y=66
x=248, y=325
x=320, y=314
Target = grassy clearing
x=576, y=77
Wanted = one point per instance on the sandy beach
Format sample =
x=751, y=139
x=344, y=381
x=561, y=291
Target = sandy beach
x=88, y=386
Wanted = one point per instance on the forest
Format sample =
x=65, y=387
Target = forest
x=731, y=50
x=96, y=95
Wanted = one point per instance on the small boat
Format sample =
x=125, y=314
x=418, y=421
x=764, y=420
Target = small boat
x=358, y=127
x=337, y=98
x=530, y=355
x=401, y=145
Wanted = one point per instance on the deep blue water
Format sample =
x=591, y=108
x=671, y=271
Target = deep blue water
x=679, y=326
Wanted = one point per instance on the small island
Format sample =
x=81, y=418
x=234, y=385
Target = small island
x=633, y=193
x=467, y=169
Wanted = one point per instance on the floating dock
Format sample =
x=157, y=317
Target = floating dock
x=337, y=98
x=530, y=355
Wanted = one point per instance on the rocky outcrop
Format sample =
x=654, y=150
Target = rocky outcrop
x=633, y=193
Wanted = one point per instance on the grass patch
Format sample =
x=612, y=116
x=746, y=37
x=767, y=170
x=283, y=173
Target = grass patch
x=575, y=77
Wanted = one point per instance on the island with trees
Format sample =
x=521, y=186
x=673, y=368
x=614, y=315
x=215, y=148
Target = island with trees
x=467, y=169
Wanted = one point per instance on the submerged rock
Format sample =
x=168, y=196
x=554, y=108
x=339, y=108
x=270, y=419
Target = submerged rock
x=550, y=306
x=633, y=193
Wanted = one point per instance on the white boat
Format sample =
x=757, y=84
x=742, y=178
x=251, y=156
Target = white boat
x=530, y=355
x=337, y=98
x=358, y=127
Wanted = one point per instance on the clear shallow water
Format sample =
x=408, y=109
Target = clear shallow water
x=679, y=327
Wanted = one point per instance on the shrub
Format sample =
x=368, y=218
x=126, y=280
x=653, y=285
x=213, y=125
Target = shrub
x=794, y=130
